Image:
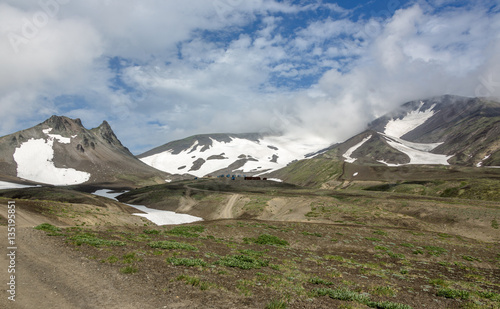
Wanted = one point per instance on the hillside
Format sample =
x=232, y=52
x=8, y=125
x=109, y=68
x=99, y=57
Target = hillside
x=217, y=154
x=61, y=151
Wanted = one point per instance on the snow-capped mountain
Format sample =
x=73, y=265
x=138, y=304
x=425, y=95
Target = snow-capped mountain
x=215, y=154
x=446, y=130
x=60, y=151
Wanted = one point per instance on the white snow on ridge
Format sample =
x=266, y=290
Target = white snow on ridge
x=412, y=120
x=34, y=160
x=59, y=138
x=158, y=217
x=348, y=153
x=285, y=148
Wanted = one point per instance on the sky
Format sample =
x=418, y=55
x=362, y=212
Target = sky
x=161, y=70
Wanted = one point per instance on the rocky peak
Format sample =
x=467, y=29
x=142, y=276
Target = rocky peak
x=64, y=124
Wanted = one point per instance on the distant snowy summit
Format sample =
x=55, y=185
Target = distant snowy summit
x=61, y=151
x=445, y=130
x=216, y=154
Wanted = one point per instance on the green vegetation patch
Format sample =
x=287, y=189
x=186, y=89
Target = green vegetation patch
x=186, y=230
x=242, y=262
x=436, y=251
x=266, y=239
x=186, y=262
x=50, y=229
x=92, y=240
x=171, y=245
x=452, y=293
x=348, y=295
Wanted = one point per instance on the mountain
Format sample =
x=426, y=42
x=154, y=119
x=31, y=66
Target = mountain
x=441, y=131
x=61, y=151
x=445, y=130
x=216, y=154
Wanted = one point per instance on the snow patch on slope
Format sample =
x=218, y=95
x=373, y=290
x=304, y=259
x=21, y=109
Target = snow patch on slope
x=59, y=138
x=348, y=153
x=412, y=120
x=34, y=160
x=158, y=217
x=267, y=154
x=11, y=185
x=418, y=153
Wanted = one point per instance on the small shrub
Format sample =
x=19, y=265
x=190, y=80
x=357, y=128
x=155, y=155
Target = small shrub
x=151, y=232
x=129, y=270
x=380, y=232
x=266, y=239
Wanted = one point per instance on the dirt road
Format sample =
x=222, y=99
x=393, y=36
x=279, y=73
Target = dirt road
x=226, y=212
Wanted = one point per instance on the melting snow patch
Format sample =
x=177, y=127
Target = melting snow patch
x=412, y=120
x=34, y=162
x=275, y=179
x=484, y=159
x=417, y=156
x=348, y=153
x=158, y=217
x=59, y=138
x=11, y=185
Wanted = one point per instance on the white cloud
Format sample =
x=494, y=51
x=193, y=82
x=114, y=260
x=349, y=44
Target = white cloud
x=193, y=67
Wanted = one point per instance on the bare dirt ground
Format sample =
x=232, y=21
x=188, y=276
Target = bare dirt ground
x=284, y=249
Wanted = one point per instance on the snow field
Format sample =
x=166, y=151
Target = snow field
x=34, y=160
x=288, y=149
x=158, y=217
x=412, y=120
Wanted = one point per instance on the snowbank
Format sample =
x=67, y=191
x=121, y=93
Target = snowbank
x=34, y=160
x=158, y=217
x=412, y=120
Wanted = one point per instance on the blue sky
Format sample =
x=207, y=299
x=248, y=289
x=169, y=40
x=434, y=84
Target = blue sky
x=162, y=70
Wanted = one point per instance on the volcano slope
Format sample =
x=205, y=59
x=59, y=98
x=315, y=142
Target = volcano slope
x=285, y=246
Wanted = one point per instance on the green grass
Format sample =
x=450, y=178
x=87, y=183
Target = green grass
x=276, y=304
x=194, y=281
x=345, y=294
x=92, y=240
x=242, y=262
x=436, y=251
x=186, y=262
x=129, y=269
x=266, y=239
x=50, y=229
x=186, y=231
x=171, y=245
x=318, y=280
x=452, y=293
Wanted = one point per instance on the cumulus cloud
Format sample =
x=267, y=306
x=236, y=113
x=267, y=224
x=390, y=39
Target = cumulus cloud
x=161, y=70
